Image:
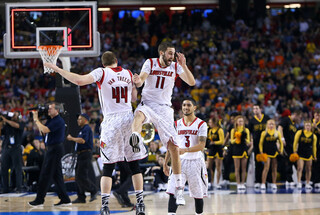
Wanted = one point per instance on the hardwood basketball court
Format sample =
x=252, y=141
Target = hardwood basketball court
x=282, y=202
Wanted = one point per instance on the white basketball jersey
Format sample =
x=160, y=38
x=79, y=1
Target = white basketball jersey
x=159, y=84
x=189, y=136
x=114, y=88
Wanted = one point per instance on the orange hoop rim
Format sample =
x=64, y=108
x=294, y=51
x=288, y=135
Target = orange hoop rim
x=43, y=47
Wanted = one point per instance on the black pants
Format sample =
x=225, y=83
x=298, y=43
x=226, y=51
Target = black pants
x=258, y=165
x=159, y=177
x=52, y=170
x=11, y=158
x=83, y=168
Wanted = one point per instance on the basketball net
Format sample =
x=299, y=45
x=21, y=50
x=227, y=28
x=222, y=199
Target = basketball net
x=49, y=54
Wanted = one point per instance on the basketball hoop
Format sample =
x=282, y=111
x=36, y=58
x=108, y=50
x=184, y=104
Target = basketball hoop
x=49, y=54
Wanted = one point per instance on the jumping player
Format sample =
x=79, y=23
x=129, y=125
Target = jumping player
x=158, y=76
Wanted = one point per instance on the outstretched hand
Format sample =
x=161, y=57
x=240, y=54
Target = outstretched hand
x=136, y=79
x=181, y=59
x=51, y=66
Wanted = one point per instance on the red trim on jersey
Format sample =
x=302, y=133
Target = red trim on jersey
x=130, y=73
x=160, y=64
x=200, y=124
x=99, y=83
x=117, y=69
x=176, y=68
x=191, y=122
x=175, y=123
x=151, y=63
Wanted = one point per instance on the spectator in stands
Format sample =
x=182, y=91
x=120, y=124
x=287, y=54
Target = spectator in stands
x=153, y=151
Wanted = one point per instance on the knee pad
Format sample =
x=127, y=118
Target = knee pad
x=199, y=205
x=134, y=167
x=108, y=169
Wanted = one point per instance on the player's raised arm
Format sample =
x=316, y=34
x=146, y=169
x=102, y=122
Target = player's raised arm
x=70, y=76
x=186, y=76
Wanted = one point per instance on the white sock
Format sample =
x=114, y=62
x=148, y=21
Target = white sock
x=178, y=180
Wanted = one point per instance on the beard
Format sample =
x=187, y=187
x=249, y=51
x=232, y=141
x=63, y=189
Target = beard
x=166, y=61
x=187, y=113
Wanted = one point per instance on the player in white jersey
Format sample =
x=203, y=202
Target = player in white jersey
x=193, y=134
x=116, y=91
x=158, y=76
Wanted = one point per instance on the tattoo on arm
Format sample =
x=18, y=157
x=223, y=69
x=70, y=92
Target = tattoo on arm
x=202, y=139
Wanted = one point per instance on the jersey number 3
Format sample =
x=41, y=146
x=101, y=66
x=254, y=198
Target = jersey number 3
x=120, y=93
x=187, y=143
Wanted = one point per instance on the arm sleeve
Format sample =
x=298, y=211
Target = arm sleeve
x=97, y=74
x=263, y=134
x=296, y=140
x=146, y=66
x=221, y=137
x=281, y=143
x=232, y=139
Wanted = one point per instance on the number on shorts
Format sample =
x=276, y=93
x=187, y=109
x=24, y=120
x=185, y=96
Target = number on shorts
x=187, y=143
x=120, y=93
x=158, y=82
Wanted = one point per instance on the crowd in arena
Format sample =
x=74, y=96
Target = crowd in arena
x=271, y=61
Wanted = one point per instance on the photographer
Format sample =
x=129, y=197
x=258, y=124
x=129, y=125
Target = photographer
x=54, y=130
x=12, y=128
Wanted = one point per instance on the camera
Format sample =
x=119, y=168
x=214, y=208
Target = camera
x=8, y=115
x=42, y=111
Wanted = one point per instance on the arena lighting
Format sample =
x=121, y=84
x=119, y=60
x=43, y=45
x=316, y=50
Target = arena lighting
x=268, y=6
x=177, y=8
x=147, y=8
x=104, y=9
x=292, y=6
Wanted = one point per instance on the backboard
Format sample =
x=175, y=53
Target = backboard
x=70, y=24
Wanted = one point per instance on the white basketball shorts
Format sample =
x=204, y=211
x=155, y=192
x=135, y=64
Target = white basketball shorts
x=114, y=141
x=162, y=117
x=195, y=172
